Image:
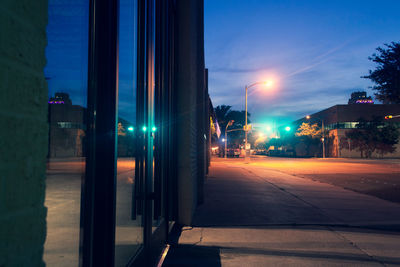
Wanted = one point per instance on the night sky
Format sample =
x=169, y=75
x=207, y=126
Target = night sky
x=67, y=53
x=315, y=51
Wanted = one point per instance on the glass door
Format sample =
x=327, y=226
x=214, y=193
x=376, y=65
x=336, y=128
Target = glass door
x=129, y=215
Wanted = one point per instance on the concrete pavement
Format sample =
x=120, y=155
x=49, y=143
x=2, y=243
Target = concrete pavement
x=254, y=216
x=63, y=196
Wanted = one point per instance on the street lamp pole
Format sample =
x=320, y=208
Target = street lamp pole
x=246, y=129
x=226, y=140
x=226, y=135
x=323, y=139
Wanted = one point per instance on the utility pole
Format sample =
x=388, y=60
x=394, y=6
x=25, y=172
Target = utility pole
x=226, y=135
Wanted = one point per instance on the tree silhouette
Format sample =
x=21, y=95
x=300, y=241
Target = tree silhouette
x=308, y=129
x=221, y=113
x=386, y=76
x=373, y=136
x=225, y=114
x=307, y=141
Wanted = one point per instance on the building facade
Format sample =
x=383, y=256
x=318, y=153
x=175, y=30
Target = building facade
x=67, y=127
x=72, y=192
x=339, y=119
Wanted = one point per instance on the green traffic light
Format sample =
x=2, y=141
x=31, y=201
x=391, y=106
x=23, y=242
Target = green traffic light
x=144, y=128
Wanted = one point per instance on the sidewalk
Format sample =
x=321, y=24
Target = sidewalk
x=257, y=217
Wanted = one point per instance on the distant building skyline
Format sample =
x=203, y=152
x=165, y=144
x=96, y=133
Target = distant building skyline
x=360, y=97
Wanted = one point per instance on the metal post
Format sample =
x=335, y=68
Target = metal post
x=226, y=139
x=323, y=139
x=245, y=130
x=99, y=184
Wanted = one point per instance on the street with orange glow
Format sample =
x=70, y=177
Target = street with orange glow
x=376, y=177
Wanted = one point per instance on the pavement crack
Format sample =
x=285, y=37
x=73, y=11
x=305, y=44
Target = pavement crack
x=291, y=194
x=356, y=246
x=190, y=228
x=201, y=237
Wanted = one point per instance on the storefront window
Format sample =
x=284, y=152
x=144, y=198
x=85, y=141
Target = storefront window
x=66, y=75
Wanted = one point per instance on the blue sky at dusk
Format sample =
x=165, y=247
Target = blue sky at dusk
x=315, y=51
x=67, y=53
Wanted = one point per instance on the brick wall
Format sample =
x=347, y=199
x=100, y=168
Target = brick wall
x=23, y=131
x=189, y=91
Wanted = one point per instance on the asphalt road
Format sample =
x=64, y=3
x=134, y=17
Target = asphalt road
x=376, y=177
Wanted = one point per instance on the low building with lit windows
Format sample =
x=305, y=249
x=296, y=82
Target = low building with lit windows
x=339, y=119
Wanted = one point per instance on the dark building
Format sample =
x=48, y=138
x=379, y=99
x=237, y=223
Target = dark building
x=60, y=98
x=340, y=118
x=67, y=127
x=73, y=194
x=360, y=98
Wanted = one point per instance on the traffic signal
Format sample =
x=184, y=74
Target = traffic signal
x=248, y=127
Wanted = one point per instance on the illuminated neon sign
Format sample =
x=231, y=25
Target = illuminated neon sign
x=365, y=101
x=56, y=102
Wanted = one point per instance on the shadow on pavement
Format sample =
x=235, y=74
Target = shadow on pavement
x=190, y=254
x=193, y=255
x=307, y=245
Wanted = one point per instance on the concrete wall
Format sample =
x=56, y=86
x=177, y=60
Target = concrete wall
x=23, y=132
x=189, y=79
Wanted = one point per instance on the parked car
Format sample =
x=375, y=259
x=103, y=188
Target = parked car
x=260, y=152
x=233, y=152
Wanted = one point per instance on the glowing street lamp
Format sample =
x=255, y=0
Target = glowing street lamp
x=265, y=83
x=130, y=128
x=287, y=128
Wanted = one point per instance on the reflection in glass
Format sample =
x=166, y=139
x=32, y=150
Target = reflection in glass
x=66, y=72
x=129, y=230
